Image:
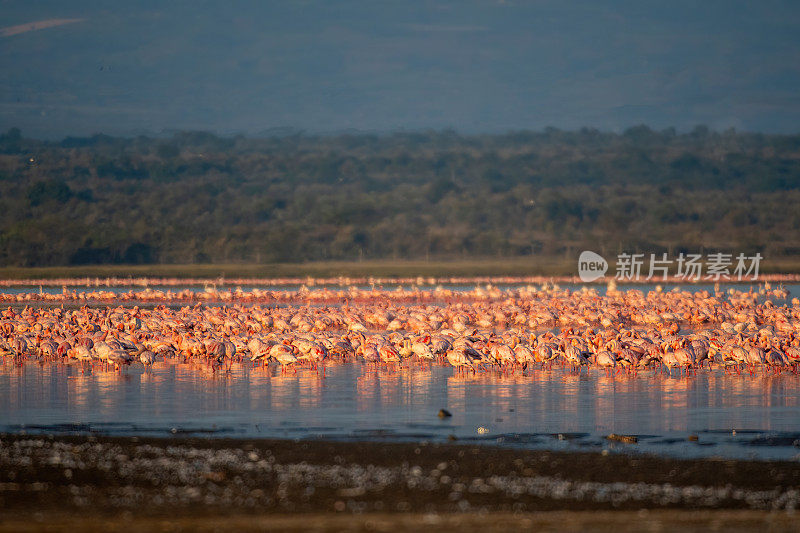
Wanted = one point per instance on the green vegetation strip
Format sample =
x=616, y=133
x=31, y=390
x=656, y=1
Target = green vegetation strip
x=513, y=266
x=385, y=268
x=195, y=198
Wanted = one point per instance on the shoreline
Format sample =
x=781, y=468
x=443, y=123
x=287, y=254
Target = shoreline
x=405, y=271
x=67, y=478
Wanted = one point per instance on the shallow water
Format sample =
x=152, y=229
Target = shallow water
x=741, y=416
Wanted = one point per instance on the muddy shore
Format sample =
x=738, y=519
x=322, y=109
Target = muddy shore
x=193, y=482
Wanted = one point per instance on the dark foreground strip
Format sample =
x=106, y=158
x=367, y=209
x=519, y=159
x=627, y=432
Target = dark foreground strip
x=570, y=521
x=42, y=477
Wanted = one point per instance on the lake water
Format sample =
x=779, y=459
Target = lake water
x=741, y=416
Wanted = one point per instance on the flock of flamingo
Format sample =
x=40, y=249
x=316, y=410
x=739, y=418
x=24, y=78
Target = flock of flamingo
x=482, y=330
x=346, y=281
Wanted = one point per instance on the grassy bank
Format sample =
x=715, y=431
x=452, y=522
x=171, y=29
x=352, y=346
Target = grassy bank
x=513, y=266
x=519, y=266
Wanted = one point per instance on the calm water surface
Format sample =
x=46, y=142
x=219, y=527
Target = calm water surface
x=745, y=416
x=741, y=416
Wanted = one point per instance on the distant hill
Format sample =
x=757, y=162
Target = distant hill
x=475, y=65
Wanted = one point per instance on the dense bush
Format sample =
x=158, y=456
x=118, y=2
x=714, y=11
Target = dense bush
x=196, y=197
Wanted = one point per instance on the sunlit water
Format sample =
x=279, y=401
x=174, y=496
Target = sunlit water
x=743, y=416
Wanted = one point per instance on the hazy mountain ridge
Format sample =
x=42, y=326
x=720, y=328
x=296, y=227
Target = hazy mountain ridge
x=476, y=66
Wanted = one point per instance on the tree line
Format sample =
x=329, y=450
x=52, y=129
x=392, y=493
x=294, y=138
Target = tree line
x=194, y=197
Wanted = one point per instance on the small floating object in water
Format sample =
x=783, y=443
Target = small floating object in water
x=444, y=413
x=627, y=439
x=482, y=430
x=693, y=438
x=733, y=432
